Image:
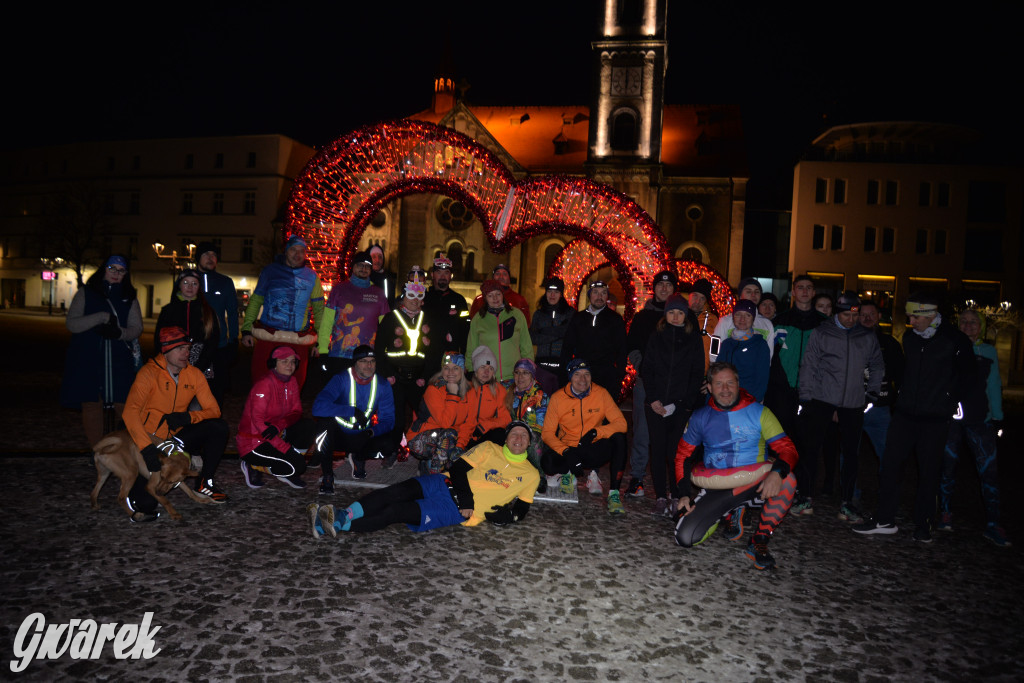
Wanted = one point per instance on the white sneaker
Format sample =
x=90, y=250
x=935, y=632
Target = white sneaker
x=594, y=483
x=553, y=482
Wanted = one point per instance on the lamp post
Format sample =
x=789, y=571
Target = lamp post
x=49, y=273
x=178, y=262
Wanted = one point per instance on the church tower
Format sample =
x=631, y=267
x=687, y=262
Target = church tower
x=630, y=60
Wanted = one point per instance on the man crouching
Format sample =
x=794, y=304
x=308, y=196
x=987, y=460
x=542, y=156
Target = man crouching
x=736, y=472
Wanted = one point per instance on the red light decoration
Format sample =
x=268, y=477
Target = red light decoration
x=722, y=298
x=346, y=183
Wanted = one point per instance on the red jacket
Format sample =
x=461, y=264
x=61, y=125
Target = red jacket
x=270, y=400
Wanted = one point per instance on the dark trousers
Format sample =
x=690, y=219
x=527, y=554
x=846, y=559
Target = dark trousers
x=407, y=394
x=207, y=438
x=907, y=437
x=815, y=420
x=223, y=360
x=612, y=449
x=360, y=445
x=395, y=504
x=665, y=433
x=300, y=436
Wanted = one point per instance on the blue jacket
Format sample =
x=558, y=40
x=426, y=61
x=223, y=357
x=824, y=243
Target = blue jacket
x=752, y=358
x=286, y=295
x=335, y=401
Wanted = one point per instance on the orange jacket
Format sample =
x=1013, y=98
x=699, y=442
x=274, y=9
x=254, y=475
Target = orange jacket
x=569, y=418
x=443, y=411
x=155, y=394
x=485, y=410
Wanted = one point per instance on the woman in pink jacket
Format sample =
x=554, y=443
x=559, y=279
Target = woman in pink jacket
x=272, y=436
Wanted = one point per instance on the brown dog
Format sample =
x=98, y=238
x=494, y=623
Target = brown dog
x=117, y=453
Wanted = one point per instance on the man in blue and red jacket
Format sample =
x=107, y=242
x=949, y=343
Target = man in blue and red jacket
x=734, y=430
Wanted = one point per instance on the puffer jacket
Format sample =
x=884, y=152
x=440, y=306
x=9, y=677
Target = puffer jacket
x=832, y=369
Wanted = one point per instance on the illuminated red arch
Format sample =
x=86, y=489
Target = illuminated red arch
x=346, y=183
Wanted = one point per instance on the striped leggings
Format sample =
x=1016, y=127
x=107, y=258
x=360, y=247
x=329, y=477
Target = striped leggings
x=711, y=505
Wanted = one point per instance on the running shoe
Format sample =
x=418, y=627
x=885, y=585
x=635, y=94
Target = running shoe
x=615, y=503
x=327, y=484
x=870, y=526
x=554, y=482
x=945, y=522
x=636, y=488
x=311, y=515
x=757, y=551
x=253, y=478
x=923, y=534
x=293, y=480
x=567, y=483
x=804, y=506
x=660, y=507
x=849, y=513
x=210, y=490
x=594, y=483
x=734, y=528
x=389, y=461
x=995, y=535
x=326, y=515
x=358, y=467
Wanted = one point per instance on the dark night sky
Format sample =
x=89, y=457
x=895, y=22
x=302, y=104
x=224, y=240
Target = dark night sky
x=314, y=73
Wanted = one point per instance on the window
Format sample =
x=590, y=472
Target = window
x=250, y=161
x=888, y=240
x=924, y=196
x=186, y=203
x=818, y=237
x=942, y=198
x=218, y=202
x=873, y=192
x=249, y=204
x=110, y=163
x=624, y=127
x=870, y=238
x=247, y=250
x=891, y=192
x=133, y=203
x=940, y=241
x=839, y=191
x=820, y=191
x=190, y=161
x=218, y=161
x=921, y=244
x=837, y=238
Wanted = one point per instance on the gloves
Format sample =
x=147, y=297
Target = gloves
x=270, y=432
x=151, y=456
x=361, y=419
x=588, y=438
x=500, y=515
x=998, y=426
x=176, y=421
x=110, y=329
x=570, y=454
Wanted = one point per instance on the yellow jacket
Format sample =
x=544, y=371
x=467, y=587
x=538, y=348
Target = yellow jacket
x=155, y=394
x=569, y=418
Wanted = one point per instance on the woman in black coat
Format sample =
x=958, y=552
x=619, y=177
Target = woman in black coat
x=189, y=311
x=548, y=326
x=672, y=370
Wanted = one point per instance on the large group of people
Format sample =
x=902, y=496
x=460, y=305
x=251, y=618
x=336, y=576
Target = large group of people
x=497, y=402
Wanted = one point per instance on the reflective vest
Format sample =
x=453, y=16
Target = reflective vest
x=371, y=405
x=413, y=333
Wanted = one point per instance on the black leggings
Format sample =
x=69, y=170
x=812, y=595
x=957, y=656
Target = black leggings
x=299, y=435
x=395, y=504
x=612, y=449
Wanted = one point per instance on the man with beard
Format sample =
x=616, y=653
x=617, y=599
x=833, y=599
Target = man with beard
x=446, y=309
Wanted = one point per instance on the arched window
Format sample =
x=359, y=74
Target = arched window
x=624, y=130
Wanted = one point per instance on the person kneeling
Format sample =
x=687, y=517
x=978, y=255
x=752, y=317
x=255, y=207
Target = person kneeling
x=739, y=464
x=489, y=482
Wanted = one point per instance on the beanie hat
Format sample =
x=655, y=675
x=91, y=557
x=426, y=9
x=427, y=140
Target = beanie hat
x=207, y=246
x=293, y=240
x=576, y=364
x=749, y=281
x=555, y=283
x=516, y=423
x=666, y=276
x=746, y=306
x=702, y=286
x=848, y=301
x=116, y=260
x=363, y=351
x=483, y=355
x=768, y=296
x=922, y=303
x=528, y=364
x=594, y=285
x=454, y=358
x=188, y=272
x=677, y=302
x=362, y=257
x=501, y=266
x=489, y=286
x=172, y=338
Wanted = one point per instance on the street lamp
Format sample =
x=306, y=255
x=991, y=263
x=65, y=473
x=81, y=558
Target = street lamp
x=49, y=273
x=178, y=262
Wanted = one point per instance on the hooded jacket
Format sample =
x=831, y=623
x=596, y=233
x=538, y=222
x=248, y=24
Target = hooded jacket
x=835, y=362
x=155, y=394
x=570, y=417
x=938, y=371
x=271, y=401
x=673, y=367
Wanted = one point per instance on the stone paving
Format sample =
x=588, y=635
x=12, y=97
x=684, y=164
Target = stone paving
x=243, y=591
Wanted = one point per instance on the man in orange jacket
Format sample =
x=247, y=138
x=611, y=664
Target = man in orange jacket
x=584, y=429
x=159, y=404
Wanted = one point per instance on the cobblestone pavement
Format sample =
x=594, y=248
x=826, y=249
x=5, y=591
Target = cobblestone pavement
x=242, y=591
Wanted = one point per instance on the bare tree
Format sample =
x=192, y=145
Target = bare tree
x=76, y=226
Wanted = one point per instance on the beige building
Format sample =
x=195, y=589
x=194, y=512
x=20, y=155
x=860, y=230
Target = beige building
x=887, y=209
x=102, y=197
